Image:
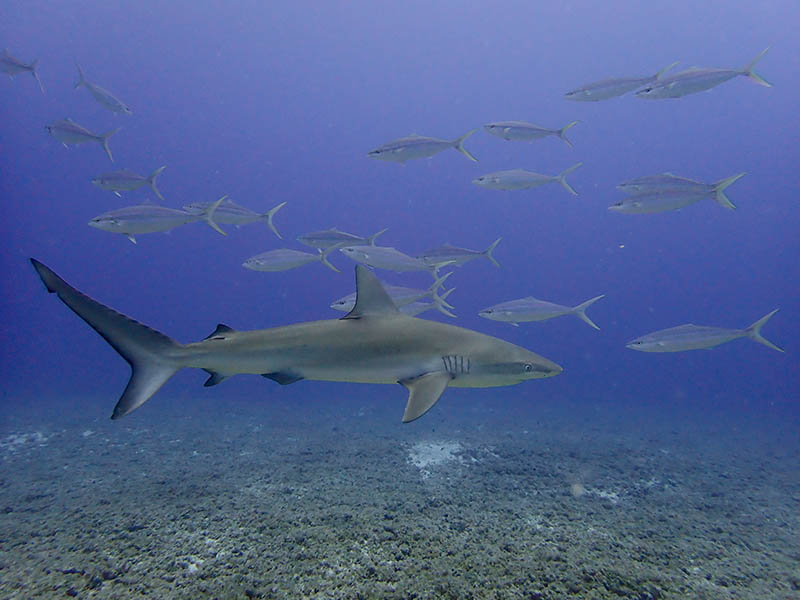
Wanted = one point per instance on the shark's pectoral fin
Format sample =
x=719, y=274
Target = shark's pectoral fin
x=423, y=392
x=283, y=377
x=214, y=378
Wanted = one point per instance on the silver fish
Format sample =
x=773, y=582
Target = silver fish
x=400, y=295
x=663, y=182
x=520, y=131
x=12, y=67
x=334, y=237
x=532, y=309
x=68, y=132
x=125, y=181
x=417, y=307
x=151, y=218
x=391, y=259
x=699, y=337
x=105, y=98
x=675, y=198
x=458, y=256
x=417, y=146
x=698, y=79
x=374, y=343
x=611, y=88
x=283, y=259
x=230, y=213
x=521, y=179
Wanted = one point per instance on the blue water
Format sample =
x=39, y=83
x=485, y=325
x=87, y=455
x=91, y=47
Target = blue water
x=281, y=102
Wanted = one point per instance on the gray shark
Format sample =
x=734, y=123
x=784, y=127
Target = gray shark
x=373, y=343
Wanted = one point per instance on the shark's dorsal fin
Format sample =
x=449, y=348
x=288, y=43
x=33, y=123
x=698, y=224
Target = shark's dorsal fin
x=220, y=330
x=423, y=392
x=371, y=299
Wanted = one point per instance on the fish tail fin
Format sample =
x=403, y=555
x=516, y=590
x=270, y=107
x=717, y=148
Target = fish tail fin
x=323, y=256
x=488, y=252
x=34, y=72
x=459, y=145
x=580, y=311
x=371, y=239
x=152, y=180
x=719, y=191
x=267, y=216
x=153, y=356
x=562, y=132
x=664, y=70
x=562, y=178
x=104, y=141
x=81, y=77
x=750, y=72
x=434, y=268
x=433, y=290
x=442, y=305
x=754, y=332
x=208, y=215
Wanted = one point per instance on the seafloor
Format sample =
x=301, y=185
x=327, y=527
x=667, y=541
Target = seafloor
x=337, y=499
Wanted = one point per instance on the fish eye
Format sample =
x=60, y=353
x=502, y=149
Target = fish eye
x=527, y=367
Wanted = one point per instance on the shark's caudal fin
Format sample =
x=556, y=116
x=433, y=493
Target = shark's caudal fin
x=719, y=191
x=103, y=139
x=267, y=216
x=488, y=252
x=153, y=356
x=562, y=178
x=459, y=145
x=580, y=311
x=152, y=180
x=754, y=332
x=562, y=133
x=748, y=70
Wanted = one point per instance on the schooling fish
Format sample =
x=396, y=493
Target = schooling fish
x=611, y=88
x=458, y=256
x=521, y=179
x=417, y=146
x=531, y=309
x=125, y=181
x=105, y=98
x=373, y=343
x=520, y=131
x=283, y=259
x=699, y=337
x=334, y=237
x=230, y=213
x=400, y=295
x=12, y=67
x=391, y=259
x=675, y=198
x=68, y=132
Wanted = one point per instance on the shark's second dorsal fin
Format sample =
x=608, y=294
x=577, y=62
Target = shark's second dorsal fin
x=371, y=298
x=221, y=330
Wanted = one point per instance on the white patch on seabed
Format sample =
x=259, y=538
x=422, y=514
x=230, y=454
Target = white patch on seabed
x=424, y=455
x=17, y=441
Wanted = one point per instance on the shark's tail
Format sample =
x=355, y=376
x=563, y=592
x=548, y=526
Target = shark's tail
x=267, y=216
x=562, y=178
x=459, y=145
x=103, y=139
x=719, y=191
x=749, y=70
x=580, y=311
x=152, y=180
x=153, y=356
x=35, y=74
x=563, y=131
x=488, y=252
x=754, y=332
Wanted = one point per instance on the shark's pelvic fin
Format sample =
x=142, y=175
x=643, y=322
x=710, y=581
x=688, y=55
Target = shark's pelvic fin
x=371, y=298
x=423, y=392
x=283, y=377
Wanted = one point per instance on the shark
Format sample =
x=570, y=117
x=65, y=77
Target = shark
x=373, y=343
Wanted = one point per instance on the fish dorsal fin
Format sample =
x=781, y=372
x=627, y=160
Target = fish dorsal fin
x=371, y=299
x=221, y=330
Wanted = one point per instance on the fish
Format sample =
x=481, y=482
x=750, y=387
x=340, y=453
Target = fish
x=389, y=258
x=521, y=179
x=417, y=308
x=458, y=256
x=532, y=309
x=283, y=259
x=125, y=181
x=699, y=79
x=699, y=337
x=334, y=237
x=12, y=67
x=230, y=213
x=400, y=295
x=373, y=343
x=520, y=131
x=151, y=218
x=68, y=132
x=417, y=146
x=105, y=98
x=675, y=198
x=664, y=182
x=611, y=88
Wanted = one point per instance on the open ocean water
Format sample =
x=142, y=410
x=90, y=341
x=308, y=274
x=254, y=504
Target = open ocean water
x=630, y=475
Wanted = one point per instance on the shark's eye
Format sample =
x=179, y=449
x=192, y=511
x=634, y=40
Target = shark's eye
x=528, y=367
